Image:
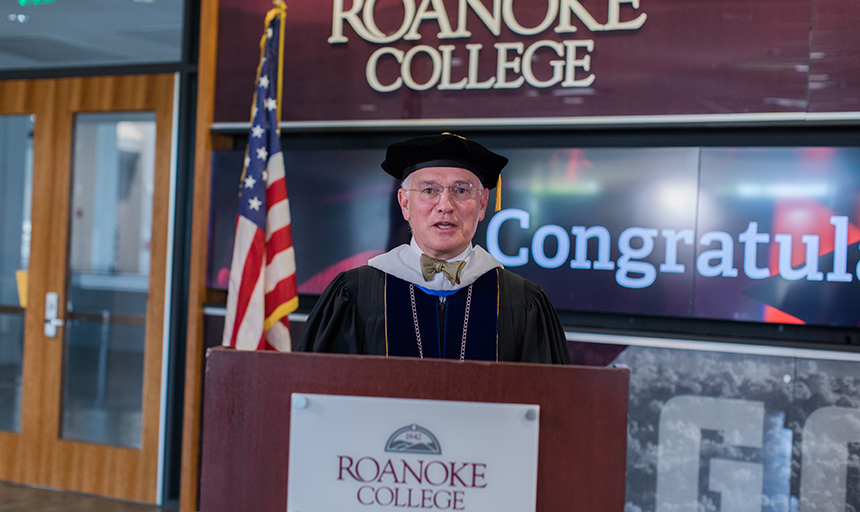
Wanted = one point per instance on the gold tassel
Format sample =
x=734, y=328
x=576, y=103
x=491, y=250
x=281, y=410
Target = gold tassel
x=499, y=194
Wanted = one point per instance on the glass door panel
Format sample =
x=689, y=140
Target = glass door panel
x=113, y=169
x=16, y=184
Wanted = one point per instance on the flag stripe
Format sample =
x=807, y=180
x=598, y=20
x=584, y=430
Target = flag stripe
x=233, y=287
x=276, y=335
x=244, y=240
x=264, y=344
x=276, y=168
x=250, y=330
x=282, y=293
x=279, y=216
x=279, y=240
x=251, y=277
x=276, y=193
x=283, y=266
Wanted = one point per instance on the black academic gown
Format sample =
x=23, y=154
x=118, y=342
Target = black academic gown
x=349, y=318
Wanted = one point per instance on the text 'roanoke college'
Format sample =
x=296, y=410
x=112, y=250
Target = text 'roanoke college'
x=512, y=57
x=432, y=484
x=637, y=243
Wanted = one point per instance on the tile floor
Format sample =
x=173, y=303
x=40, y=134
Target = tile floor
x=19, y=498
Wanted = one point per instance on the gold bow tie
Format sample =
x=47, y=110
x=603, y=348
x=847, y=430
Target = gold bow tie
x=450, y=269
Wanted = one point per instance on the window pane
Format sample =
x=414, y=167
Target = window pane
x=111, y=230
x=47, y=34
x=16, y=175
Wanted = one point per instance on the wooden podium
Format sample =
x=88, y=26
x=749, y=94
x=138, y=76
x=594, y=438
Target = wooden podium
x=246, y=419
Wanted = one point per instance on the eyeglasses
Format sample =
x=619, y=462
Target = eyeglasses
x=459, y=191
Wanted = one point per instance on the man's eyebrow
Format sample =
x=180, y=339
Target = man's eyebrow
x=430, y=182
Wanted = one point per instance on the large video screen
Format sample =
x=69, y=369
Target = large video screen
x=762, y=234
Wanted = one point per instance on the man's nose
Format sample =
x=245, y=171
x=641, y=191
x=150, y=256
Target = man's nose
x=446, y=201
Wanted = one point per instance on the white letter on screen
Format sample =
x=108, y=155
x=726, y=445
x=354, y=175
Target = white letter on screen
x=493, y=227
x=840, y=251
x=809, y=270
x=725, y=254
x=580, y=253
x=671, y=265
x=751, y=238
x=561, y=254
x=626, y=263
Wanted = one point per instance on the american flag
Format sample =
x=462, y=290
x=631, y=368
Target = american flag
x=262, y=289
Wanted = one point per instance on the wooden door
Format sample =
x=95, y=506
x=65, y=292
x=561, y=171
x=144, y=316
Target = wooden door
x=88, y=399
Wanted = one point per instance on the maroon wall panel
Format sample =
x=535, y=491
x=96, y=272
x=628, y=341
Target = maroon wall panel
x=687, y=58
x=834, y=71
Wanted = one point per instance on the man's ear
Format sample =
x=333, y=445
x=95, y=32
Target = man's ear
x=403, y=199
x=485, y=195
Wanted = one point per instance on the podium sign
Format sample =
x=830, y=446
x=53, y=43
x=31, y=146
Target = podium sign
x=367, y=453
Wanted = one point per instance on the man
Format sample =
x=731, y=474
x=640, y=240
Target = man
x=438, y=296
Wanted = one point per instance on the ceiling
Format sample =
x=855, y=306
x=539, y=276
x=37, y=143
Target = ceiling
x=44, y=34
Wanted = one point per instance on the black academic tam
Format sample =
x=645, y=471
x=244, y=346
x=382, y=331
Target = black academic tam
x=443, y=150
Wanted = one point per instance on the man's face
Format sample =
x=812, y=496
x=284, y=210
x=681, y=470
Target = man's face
x=443, y=227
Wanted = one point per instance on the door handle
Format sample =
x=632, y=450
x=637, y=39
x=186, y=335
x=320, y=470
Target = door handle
x=52, y=307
